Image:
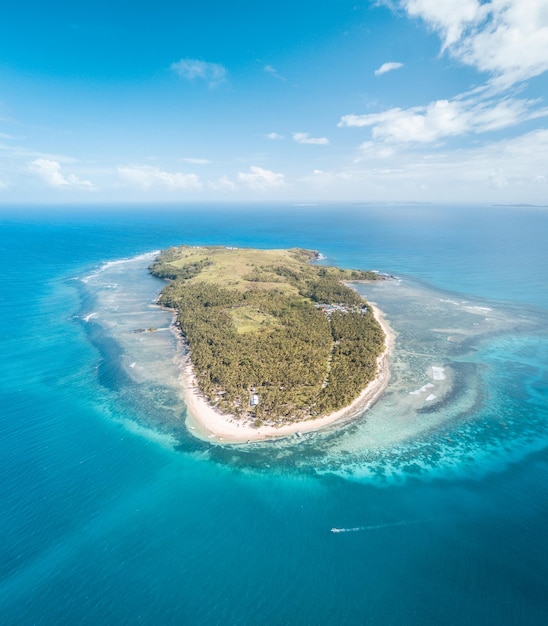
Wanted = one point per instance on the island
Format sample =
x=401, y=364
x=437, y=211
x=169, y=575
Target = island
x=275, y=343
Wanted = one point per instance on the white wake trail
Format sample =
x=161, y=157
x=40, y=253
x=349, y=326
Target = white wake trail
x=356, y=529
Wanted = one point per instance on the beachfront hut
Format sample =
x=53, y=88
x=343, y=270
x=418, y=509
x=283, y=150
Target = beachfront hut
x=254, y=400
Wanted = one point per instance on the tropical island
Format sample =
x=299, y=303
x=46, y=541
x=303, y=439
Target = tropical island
x=276, y=345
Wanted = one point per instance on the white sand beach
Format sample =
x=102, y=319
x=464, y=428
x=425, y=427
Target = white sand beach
x=206, y=422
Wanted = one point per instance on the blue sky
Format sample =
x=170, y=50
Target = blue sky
x=351, y=100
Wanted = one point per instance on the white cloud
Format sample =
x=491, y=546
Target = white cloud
x=195, y=161
x=509, y=166
x=145, y=177
x=498, y=180
x=223, y=184
x=212, y=73
x=508, y=39
x=20, y=152
x=273, y=72
x=274, y=136
x=373, y=150
x=388, y=67
x=50, y=172
x=507, y=170
x=444, y=118
x=451, y=18
x=304, y=138
x=261, y=179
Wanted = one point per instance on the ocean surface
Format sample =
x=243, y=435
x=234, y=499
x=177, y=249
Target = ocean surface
x=430, y=508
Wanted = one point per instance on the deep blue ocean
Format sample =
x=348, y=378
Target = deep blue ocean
x=105, y=519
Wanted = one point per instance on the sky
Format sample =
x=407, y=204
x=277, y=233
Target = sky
x=301, y=100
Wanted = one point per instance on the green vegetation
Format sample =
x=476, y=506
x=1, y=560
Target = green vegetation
x=268, y=322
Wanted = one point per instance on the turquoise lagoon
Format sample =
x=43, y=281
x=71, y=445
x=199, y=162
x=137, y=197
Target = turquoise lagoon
x=113, y=512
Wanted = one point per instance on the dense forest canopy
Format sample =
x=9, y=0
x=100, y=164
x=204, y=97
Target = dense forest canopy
x=272, y=337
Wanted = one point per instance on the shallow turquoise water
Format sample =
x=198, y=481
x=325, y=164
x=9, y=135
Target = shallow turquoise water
x=105, y=520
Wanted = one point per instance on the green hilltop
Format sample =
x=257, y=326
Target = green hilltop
x=268, y=327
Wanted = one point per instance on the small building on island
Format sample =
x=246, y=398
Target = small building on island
x=254, y=399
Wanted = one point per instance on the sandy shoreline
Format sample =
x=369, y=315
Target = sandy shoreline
x=206, y=422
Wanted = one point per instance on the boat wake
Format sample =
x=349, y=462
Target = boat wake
x=356, y=529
